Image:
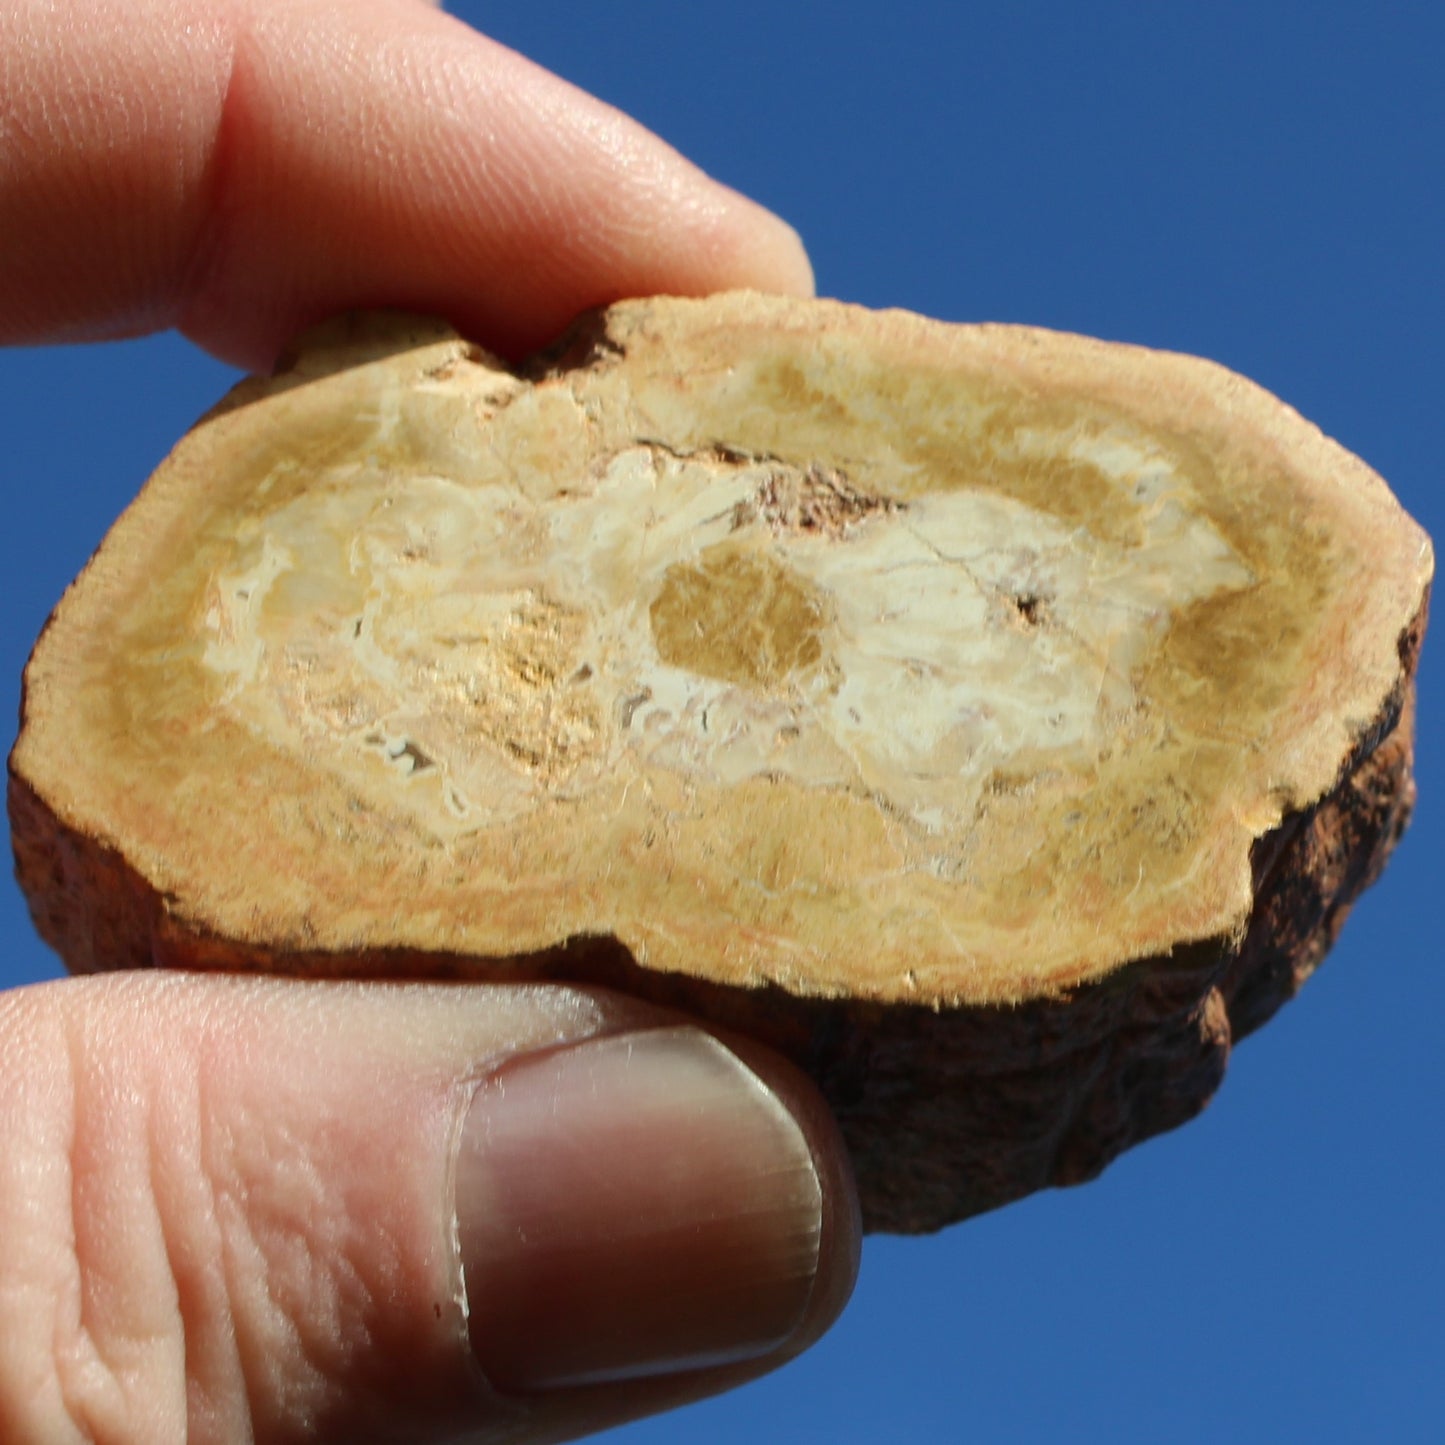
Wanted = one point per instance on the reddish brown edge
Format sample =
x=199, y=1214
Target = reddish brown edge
x=947, y=1112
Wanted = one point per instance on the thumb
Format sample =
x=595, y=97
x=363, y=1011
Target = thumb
x=240, y=1209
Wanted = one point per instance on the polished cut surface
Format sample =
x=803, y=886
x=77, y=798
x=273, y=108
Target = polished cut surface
x=932, y=661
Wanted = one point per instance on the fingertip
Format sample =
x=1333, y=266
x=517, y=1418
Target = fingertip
x=781, y=258
x=800, y=277
x=841, y=1244
x=841, y=1232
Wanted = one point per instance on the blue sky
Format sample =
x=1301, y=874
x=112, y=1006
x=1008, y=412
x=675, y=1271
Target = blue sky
x=1263, y=184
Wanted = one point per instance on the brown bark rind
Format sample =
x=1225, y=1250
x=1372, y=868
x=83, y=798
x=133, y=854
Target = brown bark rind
x=947, y=1112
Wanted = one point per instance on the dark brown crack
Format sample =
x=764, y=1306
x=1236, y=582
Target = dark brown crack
x=821, y=501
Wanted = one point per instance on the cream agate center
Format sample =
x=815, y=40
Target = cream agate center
x=714, y=615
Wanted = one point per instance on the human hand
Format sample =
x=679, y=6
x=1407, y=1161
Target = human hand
x=243, y=1208
x=241, y=168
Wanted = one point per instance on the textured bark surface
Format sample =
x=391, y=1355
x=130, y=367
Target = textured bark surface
x=999, y=723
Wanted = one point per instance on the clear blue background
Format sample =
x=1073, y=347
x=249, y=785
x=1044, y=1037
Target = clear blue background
x=1260, y=183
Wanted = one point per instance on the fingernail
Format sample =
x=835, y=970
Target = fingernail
x=632, y=1206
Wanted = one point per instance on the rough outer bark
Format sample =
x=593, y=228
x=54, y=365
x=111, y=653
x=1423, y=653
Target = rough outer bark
x=947, y=1112
x=949, y=1108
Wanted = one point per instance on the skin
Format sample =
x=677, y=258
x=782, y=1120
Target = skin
x=221, y=1200
x=214, y=165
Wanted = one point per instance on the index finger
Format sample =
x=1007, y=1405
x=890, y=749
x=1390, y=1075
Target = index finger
x=239, y=170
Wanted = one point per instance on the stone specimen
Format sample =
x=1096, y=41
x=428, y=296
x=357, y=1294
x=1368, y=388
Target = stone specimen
x=997, y=722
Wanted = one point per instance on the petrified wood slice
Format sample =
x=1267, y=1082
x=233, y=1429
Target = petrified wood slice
x=998, y=722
